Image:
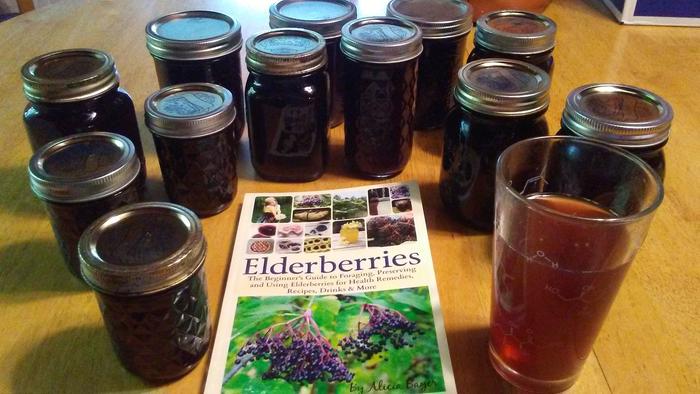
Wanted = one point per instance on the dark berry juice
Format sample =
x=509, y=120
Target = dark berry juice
x=551, y=295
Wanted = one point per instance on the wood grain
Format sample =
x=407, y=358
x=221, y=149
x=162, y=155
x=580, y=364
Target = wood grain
x=53, y=338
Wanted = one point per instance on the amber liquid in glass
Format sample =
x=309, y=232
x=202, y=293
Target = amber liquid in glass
x=551, y=296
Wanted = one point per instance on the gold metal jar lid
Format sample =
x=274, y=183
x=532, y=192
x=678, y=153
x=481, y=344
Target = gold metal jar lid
x=286, y=51
x=193, y=35
x=515, y=32
x=381, y=39
x=436, y=19
x=622, y=115
x=69, y=75
x=141, y=249
x=83, y=167
x=325, y=17
x=502, y=87
x=189, y=110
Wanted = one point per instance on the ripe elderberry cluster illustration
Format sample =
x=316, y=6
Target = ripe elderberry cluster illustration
x=298, y=352
x=385, y=327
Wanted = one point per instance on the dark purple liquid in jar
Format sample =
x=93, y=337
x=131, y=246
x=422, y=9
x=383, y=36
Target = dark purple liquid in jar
x=543, y=60
x=379, y=116
x=199, y=173
x=160, y=336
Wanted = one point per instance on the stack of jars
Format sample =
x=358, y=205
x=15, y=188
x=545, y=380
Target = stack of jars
x=318, y=67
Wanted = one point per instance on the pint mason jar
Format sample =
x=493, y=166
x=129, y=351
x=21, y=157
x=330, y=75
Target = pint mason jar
x=445, y=26
x=192, y=127
x=518, y=35
x=325, y=17
x=628, y=117
x=80, y=178
x=145, y=263
x=381, y=71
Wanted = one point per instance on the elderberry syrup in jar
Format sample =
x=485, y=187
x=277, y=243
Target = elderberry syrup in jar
x=146, y=264
x=75, y=91
x=325, y=17
x=518, y=35
x=445, y=25
x=199, y=46
x=80, y=178
x=192, y=127
x=381, y=64
x=499, y=102
x=287, y=95
x=626, y=116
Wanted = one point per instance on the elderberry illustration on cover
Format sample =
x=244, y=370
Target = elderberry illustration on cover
x=331, y=292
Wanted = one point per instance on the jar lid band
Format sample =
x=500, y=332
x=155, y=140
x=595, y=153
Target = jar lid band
x=503, y=87
x=141, y=249
x=189, y=110
x=83, y=167
x=325, y=17
x=436, y=19
x=69, y=75
x=287, y=51
x=515, y=32
x=193, y=35
x=381, y=40
x=623, y=115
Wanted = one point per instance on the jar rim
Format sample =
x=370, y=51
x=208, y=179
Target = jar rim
x=432, y=26
x=329, y=27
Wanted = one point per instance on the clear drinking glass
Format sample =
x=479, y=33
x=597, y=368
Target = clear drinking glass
x=570, y=217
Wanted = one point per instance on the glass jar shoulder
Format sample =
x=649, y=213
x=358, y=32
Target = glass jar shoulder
x=543, y=60
x=271, y=87
x=470, y=125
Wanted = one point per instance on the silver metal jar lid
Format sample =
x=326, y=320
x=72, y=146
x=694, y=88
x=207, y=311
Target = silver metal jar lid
x=516, y=32
x=325, y=17
x=193, y=35
x=623, y=115
x=189, y=110
x=141, y=249
x=286, y=52
x=83, y=167
x=69, y=75
x=502, y=87
x=380, y=39
x=436, y=19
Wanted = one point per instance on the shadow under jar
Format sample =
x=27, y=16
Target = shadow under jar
x=287, y=95
x=445, y=26
x=146, y=264
x=627, y=117
x=192, y=128
x=75, y=91
x=325, y=17
x=199, y=46
x=499, y=102
x=80, y=178
x=381, y=64
x=518, y=35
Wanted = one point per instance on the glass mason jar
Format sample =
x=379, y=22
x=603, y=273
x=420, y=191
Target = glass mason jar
x=381, y=64
x=287, y=94
x=626, y=116
x=325, y=17
x=199, y=46
x=499, y=102
x=519, y=35
x=145, y=263
x=445, y=26
x=80, y=178
x=76, y=91
x=192, y=128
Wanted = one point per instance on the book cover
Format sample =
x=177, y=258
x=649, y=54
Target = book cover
x=331, y=292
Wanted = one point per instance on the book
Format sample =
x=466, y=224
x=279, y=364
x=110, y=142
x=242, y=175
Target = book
x=331, y=292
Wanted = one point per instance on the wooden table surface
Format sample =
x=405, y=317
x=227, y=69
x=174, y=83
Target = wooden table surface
x=53, y=339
